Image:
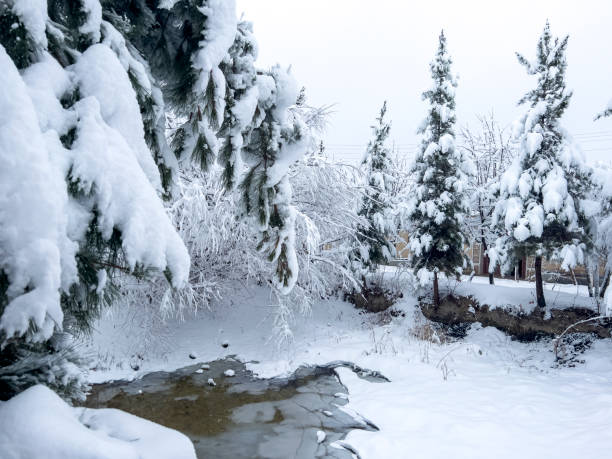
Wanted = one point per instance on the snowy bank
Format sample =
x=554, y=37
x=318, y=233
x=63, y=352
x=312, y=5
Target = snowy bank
x=37, y=423
x=513, y=310
x=520, y=296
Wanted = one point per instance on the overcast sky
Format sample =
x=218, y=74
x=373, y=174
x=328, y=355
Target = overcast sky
x=357, y=53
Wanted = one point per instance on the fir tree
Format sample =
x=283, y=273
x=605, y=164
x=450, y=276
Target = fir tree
x=441, y=171
x=113, y=71
x=242, y=96
x=229, y=111
x=375, y=247
x=278, y=139
x=606, y=113
x=77, y=107
x=184, y=42
x=542, y=209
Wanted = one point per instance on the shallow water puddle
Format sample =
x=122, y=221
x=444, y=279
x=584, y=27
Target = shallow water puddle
x=241, y=416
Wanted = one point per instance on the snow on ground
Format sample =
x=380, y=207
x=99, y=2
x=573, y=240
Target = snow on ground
x=521, y=295
x=63, y=432
x=548, y=287
x=482, y=396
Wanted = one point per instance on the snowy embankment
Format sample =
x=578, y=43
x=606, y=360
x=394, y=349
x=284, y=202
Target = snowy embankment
x=63, y=432
x=521, y=296
x=483, y=396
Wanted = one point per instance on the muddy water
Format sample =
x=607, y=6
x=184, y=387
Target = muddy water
x=241, y=416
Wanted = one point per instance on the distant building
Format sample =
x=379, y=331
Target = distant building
x=525, y=269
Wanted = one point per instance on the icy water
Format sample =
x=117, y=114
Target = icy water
x=242, y=416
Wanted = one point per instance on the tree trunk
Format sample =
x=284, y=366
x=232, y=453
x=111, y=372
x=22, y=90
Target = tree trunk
x=539, y=283
x=606, y=282
x=589, y=278
x=436, y=292
x=596, y=280
x=573, y=276
x=488, y=260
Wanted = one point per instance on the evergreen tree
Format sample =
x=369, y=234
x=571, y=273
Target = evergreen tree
x=606, y=113
x=603, y=249
x=184, y=42
x=375, y=247
x=278, y=139
x=93, y=82
x=80, y=186
x=542, y=209
x=441, y=172
x=229, y=111
x=242, y=96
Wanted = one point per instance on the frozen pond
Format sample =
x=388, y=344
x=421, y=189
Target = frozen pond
x=241, y=416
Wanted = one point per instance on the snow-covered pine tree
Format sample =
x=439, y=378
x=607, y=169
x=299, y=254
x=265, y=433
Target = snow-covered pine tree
x=374, y=244
x=598, y=286
x=543, y=208
x=603, y=250
x=79, y=187
x=606, y=113
x=242, y=95
x=441, y=172
x=184, y=43
x=206, y=61
x=278, y=139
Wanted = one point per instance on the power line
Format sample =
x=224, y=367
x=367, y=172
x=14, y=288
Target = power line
x=593, y=133
x=592, y=142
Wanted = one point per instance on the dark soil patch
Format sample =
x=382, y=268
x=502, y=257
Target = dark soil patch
x=373, y=299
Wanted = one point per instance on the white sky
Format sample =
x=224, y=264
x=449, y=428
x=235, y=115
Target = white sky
x=357, y=53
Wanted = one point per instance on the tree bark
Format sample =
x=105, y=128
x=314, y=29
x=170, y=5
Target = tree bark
x=488, y=260
x=539, y=283
x=605, y=285
x=573, y=276
x=596, y=281
x=436, y=292
x=589, y=278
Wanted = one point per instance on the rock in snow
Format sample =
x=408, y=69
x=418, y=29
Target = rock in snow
x=321, y=436
x=229, y=373
x=211, y=382
x=38, y=423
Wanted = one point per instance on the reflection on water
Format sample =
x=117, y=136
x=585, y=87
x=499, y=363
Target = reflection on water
x=240, y=416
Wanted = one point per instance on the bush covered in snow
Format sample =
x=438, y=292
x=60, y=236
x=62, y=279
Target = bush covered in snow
x=326, y=199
